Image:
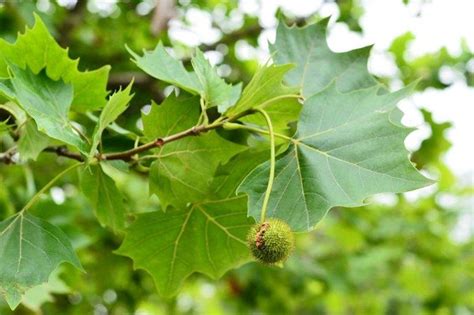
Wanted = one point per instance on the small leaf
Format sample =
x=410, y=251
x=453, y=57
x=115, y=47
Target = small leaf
x=48, y=103
x=346, y=149
x=183, y=169
x=37, y=50
x=265, y=89
x=214, y=89
x=104, y=196
x=316, y=65
x=32, y=142
x=204, y=81
x=160, y=65
x=115, y=106
x=30, y=249
x=282, y=113
x=208, y=238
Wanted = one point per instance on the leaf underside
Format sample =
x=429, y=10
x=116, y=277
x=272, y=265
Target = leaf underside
x=352, y=152
x=30, y=249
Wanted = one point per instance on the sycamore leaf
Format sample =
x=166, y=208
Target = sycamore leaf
x=160, y=65
x=346, y=148
x=47, y=102
x=229, y=176
x=115, y=106
x=282, y=113
x=30, y=249
x=265, y=89
x=37, y=50
x=183, y=169
x=204, y=81
x=208, y=238
x=104, y=196
x=214, y=90
x=32, y=142
x=316, y=65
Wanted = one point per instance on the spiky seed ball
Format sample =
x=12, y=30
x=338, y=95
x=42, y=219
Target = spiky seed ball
x=271, y=242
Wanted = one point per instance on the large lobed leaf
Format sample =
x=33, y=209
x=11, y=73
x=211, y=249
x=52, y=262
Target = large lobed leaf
x=38, y=50
x=209, y=237
x=316, y=65
x=346, y=149
x=30, y=249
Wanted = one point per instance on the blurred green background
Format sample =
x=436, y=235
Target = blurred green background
x=402, y=254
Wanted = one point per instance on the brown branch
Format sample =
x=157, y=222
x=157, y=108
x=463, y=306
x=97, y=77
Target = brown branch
x=63, y=151
x=128, y=155
x=159, y=142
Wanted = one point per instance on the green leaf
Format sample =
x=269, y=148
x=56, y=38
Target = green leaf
x=115, y=106
x=37, y=49
x=6, y=89
x=214, y=90
x=160, y=65
x=346, y=149
x=47, y=102
x=32, y=142
x=282, y=113
x=209, y=238
x=316, y=65
x=104, y=196
x=229, y=176
x=204, y=81
x=183, y=169
x=265, y=89
x=30, y=249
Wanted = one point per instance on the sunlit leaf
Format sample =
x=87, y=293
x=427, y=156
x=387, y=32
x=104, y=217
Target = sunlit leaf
x=37, y=50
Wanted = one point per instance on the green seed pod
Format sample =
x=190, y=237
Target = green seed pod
x=271, y=242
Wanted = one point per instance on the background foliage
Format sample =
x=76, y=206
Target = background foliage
x=395, y=256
